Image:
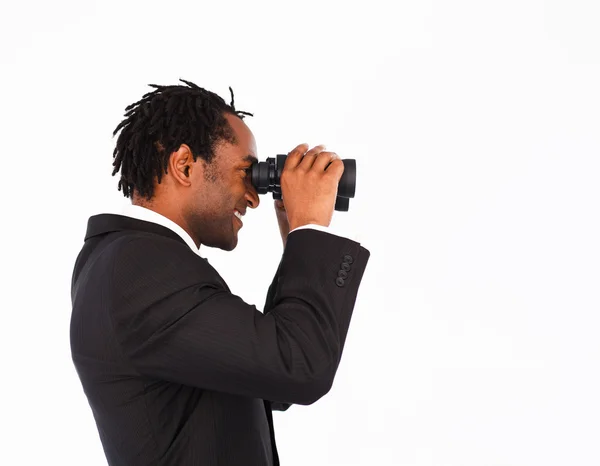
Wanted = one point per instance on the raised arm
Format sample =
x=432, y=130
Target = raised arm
x=180, y=322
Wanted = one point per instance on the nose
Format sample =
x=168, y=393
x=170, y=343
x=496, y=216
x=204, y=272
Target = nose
x=252, y=197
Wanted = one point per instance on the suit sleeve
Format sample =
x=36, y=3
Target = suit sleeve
x=328, y=229
x=278, y=406
x=176, y=320
x=275, y=405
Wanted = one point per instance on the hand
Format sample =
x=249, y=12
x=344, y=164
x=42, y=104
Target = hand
x=309, y=183
x=280, y=207
x=282, y=220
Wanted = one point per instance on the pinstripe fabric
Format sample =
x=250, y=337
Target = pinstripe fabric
x=179, y=371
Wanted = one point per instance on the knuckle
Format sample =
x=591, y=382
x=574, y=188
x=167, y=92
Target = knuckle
x=316, y=175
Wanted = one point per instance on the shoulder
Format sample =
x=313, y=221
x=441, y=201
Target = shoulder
x=146, y=243
x=146, y=253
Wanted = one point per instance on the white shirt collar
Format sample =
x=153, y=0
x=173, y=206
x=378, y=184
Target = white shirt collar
x=143, y=213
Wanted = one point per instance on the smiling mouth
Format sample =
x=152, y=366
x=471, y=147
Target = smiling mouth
x=239, y=220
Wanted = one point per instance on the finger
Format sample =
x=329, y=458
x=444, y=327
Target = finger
x=279, y=205
x=295, y=156
x=336, y=169
x=324, y=159
x=309, y=157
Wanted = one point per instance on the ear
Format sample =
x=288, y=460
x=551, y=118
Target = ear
x=181, y=165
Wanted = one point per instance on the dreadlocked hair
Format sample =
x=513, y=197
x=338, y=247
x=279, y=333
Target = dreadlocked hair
x=159, y=123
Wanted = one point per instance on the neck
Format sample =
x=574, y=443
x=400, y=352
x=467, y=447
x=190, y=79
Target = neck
x=165, y=211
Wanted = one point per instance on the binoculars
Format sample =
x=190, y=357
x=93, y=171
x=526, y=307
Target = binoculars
x=266, y=178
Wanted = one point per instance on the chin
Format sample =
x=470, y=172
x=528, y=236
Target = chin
x=230, y=246
x=234, y=243
x=225, y=239
x=227, y=246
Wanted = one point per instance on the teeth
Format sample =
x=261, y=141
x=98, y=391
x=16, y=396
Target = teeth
x=237, y=214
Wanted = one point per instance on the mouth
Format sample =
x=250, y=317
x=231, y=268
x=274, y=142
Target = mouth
x=238, y=216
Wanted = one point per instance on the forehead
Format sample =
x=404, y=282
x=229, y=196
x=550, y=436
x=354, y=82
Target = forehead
x=246, y=144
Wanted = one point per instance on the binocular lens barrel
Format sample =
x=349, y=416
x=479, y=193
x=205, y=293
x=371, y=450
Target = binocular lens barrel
x=266, y=178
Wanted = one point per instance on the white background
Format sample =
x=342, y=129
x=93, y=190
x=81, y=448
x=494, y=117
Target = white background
x=475, y=126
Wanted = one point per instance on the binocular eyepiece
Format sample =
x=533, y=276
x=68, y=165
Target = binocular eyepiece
x=266, y=178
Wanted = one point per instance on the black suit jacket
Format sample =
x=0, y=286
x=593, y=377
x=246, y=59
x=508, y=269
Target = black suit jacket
x=177, y=369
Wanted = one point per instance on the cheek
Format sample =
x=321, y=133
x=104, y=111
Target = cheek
x=221, y=200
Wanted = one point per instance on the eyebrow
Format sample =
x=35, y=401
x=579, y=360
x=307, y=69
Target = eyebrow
x=250, y=158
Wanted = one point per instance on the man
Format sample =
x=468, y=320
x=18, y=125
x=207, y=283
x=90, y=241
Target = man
x=178, y=370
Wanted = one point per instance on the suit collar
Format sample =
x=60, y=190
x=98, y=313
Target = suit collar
x=146, y=216
x=106, y=223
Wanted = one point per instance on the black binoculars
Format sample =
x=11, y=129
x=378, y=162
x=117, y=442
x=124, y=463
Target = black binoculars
x=266, y=178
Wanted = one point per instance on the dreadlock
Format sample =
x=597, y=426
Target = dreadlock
x=159, y=123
